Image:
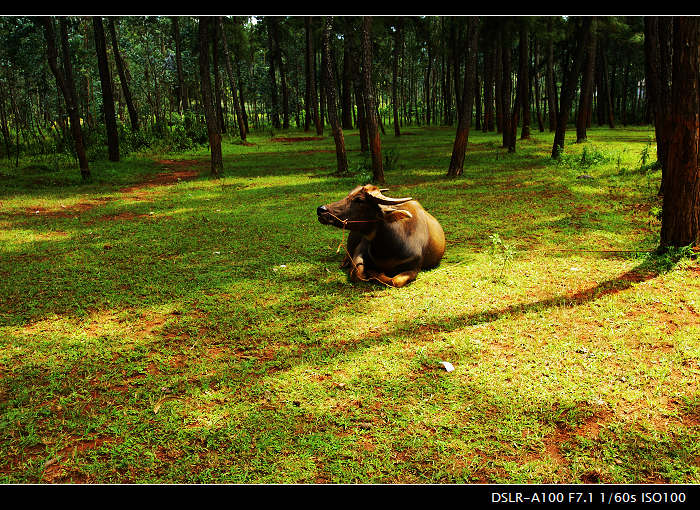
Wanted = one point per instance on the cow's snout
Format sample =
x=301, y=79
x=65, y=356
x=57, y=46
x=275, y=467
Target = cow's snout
x=323, y=215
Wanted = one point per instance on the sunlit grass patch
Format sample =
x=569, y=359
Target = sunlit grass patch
x=201, y=330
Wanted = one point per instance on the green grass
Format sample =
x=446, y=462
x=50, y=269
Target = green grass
x=163, y=331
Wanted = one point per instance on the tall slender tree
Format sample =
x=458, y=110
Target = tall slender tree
x=459, y=148
x=524, y=77
x=311, y=96
x=657, y=49
x=272, y=62
x=581, y=34
x=586, y=99
x=506, y=86
x=375, y=143
x=213, y=132
x=126, y=90
x=338, y=137
x=398, y=31
x=181, y=90
x=65, y=82
x=680, y=222
x=232, y=82
x=550, y=85
x=108, y=112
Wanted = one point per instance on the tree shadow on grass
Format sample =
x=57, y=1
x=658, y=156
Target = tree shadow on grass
x=647, y=270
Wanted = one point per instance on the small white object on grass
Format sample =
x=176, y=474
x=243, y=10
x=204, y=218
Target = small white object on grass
x=448, y=366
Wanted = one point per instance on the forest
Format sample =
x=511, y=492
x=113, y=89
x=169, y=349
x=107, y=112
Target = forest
x=172, y=311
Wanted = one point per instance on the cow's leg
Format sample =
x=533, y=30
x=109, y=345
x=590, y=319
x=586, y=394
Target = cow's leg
x=354, y=239
x=399, y=280
x=357, y=263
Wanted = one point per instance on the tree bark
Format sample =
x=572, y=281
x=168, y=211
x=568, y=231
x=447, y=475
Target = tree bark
x=657, y=49
x=64, y=80
x=536, y=81
x=488, y=124
x=586, y=100
x=370, y=109
x=524, y=79
x=181, y=89
x=569, y=85
x=106, y=84
x=338, y=138
x=274, y=113
x=462, y=137
x=680, y=223
x=311, y=96
x=133, y=116
x=347, y=81
x=218, y=96
x=209, y=110
x=277, y=55
x=506, y=90
x=551, y=88
x=232, y=83
x=395, y=75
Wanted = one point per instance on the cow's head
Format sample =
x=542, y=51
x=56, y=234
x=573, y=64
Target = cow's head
x=362, y=208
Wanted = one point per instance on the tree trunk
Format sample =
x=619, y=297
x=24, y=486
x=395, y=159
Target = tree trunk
x=498, y=57
x=609, y=112
x=680, y=223
x=64, y=80
x=506, y=89
x=586, y=100
x=347, y=82
x=657, y=49
x=106, y=84
x=274, y=107
x=209, y=110
x=536, y=81
x=462, y=137
x=311, y=101
x=361, y=116
x=218, y=96
x=488, y=124
x=568, y=88
x=370, y=109
x=4, y=123
x=395, y=76
x=241, y=89
x=181, y=90
x=551, y=88
x=426, y=84
x=232, y=83
x=341, y=156
x=133, y=116
x=277, y=55
x=524, y=79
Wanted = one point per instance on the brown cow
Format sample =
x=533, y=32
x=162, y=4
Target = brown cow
x=390, y=240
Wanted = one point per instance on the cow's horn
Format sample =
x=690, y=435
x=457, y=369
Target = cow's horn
x=380, y=198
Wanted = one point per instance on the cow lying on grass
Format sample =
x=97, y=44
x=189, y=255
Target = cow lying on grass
x=390, y=240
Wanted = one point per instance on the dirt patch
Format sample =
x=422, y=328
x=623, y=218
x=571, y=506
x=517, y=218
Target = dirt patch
x=176, y=171
x=122, y=216
x=68, y=211
x=292, y=139
x=55, y=472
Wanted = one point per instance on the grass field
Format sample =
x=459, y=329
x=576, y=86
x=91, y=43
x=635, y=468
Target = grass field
x=157, y=326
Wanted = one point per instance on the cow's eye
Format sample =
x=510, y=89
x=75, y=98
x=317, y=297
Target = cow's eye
x=358, y=199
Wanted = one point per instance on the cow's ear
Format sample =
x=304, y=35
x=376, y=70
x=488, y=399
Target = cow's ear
x=391, y=214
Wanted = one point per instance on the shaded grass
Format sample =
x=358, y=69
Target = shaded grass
x=156, y=330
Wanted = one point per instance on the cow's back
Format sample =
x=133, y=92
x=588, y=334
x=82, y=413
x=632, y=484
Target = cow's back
x=430, y=228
